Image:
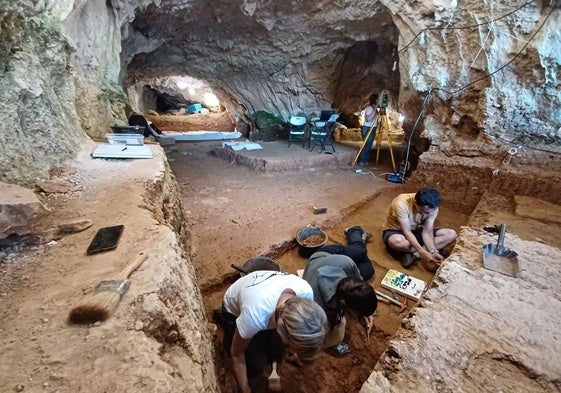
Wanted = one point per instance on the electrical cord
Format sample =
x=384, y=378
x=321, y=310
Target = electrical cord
x=406, y=162
x=504, y=65
x=451, y=93
x=514, y=143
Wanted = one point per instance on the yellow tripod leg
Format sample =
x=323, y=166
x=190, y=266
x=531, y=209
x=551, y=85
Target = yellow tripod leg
x=384, y=130
x=391, y=152
x=363, y=144
x=379, y=141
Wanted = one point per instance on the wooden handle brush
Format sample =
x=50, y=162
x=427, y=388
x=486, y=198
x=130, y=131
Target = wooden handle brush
x=102, y=301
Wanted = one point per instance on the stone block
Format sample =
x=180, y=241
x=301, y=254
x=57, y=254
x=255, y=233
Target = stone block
x=19, y=207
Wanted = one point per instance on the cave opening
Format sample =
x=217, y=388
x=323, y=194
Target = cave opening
x=169, y=94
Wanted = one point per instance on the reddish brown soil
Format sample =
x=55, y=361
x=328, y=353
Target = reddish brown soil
x=194, y=122
x=234, y=213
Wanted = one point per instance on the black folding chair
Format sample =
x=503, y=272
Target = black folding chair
x=322, y=136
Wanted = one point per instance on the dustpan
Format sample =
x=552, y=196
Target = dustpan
x=500, y=259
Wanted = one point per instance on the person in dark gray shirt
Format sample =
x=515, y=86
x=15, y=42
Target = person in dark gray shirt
x=338, y=285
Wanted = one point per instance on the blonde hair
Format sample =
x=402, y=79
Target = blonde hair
x=305, y=325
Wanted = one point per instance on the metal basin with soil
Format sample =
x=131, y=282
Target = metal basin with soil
x=309, y=240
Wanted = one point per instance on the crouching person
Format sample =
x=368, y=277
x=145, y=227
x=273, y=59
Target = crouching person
x=272, y=310
x=338, y=286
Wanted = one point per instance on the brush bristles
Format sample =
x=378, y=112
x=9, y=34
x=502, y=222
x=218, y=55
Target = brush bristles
x=274, y=383
x=96, y=307
x=274, y=386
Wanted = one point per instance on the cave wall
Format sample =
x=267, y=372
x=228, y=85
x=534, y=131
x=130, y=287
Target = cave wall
x=67, y=66
x=267, y=55
x=39, y=125
x=518, y=103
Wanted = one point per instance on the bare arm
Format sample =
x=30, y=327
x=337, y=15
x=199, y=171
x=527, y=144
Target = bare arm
x=428, y=239
x=369, y=322
x=237, y=350
x=406, y=229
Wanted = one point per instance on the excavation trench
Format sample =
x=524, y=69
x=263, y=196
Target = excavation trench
x=239, y=213
x=238, y=206
x=348, y=373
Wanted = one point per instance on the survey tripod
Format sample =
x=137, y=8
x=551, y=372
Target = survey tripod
x=382, y=128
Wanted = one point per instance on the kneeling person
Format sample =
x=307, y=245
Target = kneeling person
x=272, y=310
x=337, y=286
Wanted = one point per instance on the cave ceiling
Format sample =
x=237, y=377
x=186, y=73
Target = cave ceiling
x=325, y=53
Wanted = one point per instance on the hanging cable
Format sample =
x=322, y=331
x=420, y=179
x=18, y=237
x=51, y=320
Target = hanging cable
x=504, y=65
x=515, y=143
x=400, y=176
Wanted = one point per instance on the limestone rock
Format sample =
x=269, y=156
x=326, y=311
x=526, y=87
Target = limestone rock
x=19, y=207
x=55, y=186
x=75, y=226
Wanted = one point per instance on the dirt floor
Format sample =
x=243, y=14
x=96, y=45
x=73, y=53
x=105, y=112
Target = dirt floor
x=233, y=211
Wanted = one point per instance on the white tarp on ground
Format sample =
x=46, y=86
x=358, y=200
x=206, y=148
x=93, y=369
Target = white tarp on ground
x=193, y=136
x=122, y=151
x=236, y=146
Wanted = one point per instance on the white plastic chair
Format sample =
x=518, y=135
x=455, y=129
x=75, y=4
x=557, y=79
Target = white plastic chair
x=297, y=130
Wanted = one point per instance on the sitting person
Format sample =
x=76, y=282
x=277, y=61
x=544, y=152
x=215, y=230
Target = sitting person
x=408, y=230
x=356, y=250
x=269, y=310
x=338, y=285
x=150, y=129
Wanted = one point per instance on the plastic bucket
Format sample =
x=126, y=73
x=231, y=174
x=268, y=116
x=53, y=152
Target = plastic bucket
x=305, y=246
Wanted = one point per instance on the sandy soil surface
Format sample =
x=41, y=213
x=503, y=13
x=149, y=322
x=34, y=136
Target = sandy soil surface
x=136, y=348
x=232, y=213
x=210, y=121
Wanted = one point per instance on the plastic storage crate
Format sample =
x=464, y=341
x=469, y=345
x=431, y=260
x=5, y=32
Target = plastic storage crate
x=125, y=139
x=128, y=129
x=195, y=108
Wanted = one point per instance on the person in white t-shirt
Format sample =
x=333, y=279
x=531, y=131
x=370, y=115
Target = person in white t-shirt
x=272, y=310
x=370, y=113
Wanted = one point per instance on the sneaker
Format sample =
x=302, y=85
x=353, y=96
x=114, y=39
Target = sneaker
x=407, y=260
x=366, y=236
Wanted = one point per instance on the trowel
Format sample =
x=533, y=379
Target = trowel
x=500, y=259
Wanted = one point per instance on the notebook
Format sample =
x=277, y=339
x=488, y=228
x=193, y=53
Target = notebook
x=404, y=284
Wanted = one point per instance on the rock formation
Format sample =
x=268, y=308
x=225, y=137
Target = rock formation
x=473, y=79
x=67, y=66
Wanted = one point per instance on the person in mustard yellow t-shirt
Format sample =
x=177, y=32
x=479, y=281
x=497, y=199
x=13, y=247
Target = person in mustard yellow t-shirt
x=409, y=232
